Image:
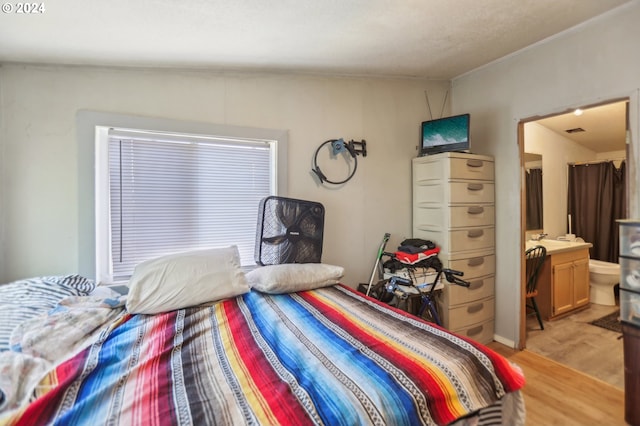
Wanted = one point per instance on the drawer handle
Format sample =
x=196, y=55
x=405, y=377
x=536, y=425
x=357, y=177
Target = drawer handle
x=474, y=285
x=473, y=309
x=475, y=330
x=476, y=261
x=473, y=162
x=475, y=186
x=475, y=210
x=475, y=233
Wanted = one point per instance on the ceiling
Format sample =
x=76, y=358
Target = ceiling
x=437, y=39
x=604, y=126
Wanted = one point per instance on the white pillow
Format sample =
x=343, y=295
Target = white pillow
x=292, y=277
x=186, y=279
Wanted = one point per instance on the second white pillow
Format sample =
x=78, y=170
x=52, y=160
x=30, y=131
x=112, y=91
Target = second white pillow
x=291, y=277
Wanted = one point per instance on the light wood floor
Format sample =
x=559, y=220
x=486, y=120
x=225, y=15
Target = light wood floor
x=555, y=394
x=573, y=342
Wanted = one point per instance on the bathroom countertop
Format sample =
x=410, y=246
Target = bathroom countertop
x=557, y=246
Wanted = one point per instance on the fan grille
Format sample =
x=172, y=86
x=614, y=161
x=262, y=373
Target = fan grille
x=289, y=231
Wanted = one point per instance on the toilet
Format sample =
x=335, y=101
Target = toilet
x=602, y=277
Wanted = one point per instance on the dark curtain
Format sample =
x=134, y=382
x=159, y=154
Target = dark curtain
x=597, y=198
x=534, y=199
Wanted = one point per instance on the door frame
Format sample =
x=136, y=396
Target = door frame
x=632, y=107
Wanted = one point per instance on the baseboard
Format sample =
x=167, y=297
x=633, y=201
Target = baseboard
x=506, y=342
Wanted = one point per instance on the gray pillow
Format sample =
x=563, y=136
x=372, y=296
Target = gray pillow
x=292, y=277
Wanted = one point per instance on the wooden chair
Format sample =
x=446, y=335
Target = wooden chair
x=535, y=257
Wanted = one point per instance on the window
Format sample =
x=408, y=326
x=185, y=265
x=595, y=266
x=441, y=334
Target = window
x=159, y=193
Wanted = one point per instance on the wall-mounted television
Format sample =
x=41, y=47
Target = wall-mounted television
x=445, y=134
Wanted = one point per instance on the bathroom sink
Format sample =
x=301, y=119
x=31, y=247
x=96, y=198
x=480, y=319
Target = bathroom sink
x=554, y=246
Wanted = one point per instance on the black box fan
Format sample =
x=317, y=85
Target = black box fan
x=289, y=231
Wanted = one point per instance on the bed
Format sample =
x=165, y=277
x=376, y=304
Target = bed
x=284, y=351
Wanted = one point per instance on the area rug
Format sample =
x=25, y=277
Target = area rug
x=610, y=322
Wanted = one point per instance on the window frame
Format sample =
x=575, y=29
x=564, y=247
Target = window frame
x=91, y=126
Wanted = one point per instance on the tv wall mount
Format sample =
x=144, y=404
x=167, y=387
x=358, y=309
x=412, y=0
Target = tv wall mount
x=339, y=146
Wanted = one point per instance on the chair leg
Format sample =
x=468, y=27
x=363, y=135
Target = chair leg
x=535, y=308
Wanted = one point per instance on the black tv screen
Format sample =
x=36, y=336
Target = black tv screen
x=445, y=134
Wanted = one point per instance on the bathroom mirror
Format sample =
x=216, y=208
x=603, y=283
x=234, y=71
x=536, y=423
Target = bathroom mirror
x=533, y=181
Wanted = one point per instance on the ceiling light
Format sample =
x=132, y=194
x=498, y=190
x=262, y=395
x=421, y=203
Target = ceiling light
x=578, y=111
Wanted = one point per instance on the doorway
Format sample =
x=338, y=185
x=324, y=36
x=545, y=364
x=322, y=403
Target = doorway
x=592, y=133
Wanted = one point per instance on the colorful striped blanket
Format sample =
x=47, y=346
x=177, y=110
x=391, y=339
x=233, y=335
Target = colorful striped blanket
x=327, y=356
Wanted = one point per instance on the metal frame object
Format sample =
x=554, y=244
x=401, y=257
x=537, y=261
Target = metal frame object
x=354, y=148
x=428, y=297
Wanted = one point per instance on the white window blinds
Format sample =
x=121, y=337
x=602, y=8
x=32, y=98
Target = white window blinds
x=173, y=193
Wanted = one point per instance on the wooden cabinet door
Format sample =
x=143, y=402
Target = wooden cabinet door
x=581, y=282
x=563, y=293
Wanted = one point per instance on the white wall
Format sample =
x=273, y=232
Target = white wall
x=41, y=172
x=615, y=156
x=595, y=62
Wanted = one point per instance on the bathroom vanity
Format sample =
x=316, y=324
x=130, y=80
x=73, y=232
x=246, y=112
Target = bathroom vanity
x=563, y=281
